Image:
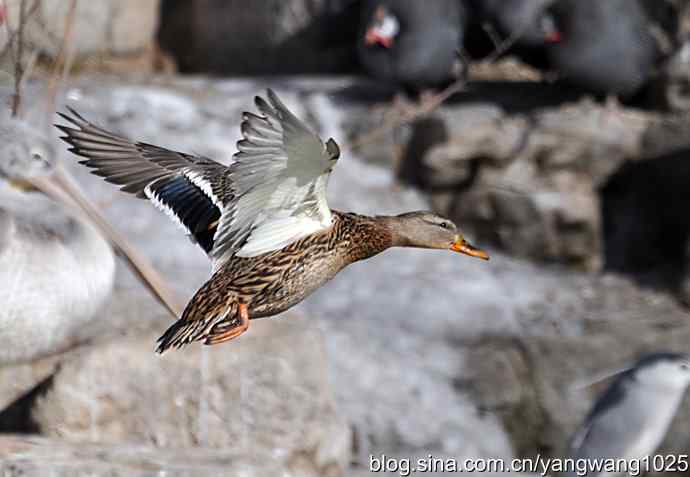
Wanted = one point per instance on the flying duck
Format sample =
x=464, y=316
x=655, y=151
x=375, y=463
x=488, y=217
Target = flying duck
x=263, y=221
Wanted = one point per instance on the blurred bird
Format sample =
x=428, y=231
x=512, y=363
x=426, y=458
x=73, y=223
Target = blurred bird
x=24, y=152
x=411, y=44
x=263, y=221
x=629, y=421
x=523, y=28
x=606, y=47
x=526, y=23
x=56, y=270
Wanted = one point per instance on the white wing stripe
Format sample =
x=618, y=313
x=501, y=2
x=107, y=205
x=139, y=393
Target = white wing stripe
x=203, y=184
x=160, y=205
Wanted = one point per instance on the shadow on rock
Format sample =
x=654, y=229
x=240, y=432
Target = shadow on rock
x=644, y=211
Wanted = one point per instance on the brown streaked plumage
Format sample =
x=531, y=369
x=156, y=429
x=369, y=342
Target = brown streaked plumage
x=263, y=220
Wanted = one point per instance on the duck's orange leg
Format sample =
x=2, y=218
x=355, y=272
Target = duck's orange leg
x=233, y=332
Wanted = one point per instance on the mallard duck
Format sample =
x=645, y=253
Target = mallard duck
x=263, y=221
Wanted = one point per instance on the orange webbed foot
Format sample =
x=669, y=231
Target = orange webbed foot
x=233, y=332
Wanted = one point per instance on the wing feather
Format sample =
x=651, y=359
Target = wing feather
x=191, y=190
x=272, y=195
x=279, y=178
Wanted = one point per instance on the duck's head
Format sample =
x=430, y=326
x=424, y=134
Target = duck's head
x=428, y=230
x=382, y=29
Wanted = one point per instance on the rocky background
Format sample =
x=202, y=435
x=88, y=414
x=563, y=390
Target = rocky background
x=582, y=205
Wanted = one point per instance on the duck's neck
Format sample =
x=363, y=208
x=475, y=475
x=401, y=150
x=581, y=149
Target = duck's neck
x=363, y=235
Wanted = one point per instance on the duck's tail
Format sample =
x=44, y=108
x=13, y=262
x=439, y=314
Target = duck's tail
x=206, y=318
x=181, y=333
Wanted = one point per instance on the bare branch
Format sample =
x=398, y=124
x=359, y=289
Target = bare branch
x=18, y=57
x=16, y=44
x=397, y=121
x=63, y=60
x=501, y=46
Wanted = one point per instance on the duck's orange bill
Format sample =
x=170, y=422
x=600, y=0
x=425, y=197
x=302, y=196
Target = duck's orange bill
x=463, y=246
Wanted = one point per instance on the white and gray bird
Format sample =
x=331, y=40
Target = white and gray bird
x=56, y=270
x=24, y=151
x=630, y=419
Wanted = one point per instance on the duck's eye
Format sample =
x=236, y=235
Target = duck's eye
x=685, y=366
x=444, y=225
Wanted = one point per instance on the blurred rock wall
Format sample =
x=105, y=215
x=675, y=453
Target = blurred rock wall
x=105, y=34
x=272, y=37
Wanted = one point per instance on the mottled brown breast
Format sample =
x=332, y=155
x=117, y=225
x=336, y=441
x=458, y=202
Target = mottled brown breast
x=275, y=281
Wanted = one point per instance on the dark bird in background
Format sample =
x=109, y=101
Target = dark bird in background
x=263, y=221
x=527, y=23
x=606, y=46
x=522, y=28
x=412, y=44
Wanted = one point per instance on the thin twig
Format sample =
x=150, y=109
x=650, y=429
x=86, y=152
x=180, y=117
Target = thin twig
x=500, y=48
x=12, y=33
x=492, y=34
x=18, y=58
x=8, y=29
x=60, y=186
x=15, y=44
x=397, y=121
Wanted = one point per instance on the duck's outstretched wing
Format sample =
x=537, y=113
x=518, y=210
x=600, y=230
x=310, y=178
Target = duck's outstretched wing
x=193, y=191
x=279, y=179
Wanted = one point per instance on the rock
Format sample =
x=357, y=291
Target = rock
x=258, y=397
x=543, y=375
x=57, y=272
x=676, y=78
x=644, y=206
x=670, y=26
x=684, y=289
x=20, y=383
x=114, y=31
x=528, y=183
x=30, y=456
x=666, y=135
